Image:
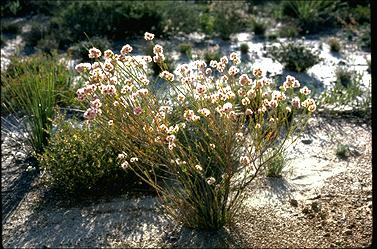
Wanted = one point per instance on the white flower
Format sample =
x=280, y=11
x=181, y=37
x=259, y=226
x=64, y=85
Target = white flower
x=198, y=167
x=82, y=67
x=94, y=53
x=211, y=180
x=148, y=36
x=126, y=49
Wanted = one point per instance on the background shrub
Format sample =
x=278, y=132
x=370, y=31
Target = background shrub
x=342, y=151
x=334, y=45
x=115, y=20
x=289, y=31
x=259, y=27
x=311, y=16
x=294, y=56
x=212, y=53
x=347, y=92
x=244, y=48
x=186, y=49
x=11, y=8
x=37, y=32
x=344, y=76
x=228, y=18
x=10, y=27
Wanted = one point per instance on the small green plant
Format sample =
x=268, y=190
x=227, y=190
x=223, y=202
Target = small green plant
x=342, y=151
x=186, y=49
x=258, y=26
x=32, y=88
x=244, y=48
x=347, y=92
x=364, y=38
x=289, y=31
x=47, y=45
x=276, y=164
x=311, y=16
x=294, y=56
x=334, y=45
x=80, y=49
x=344, y=76
x=212, y=53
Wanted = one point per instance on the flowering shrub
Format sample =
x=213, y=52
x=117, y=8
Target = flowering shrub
x=203, y=143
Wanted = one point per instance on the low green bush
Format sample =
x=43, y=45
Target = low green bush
x=294, y=56
x=342, y=151
x=259, y=27
x=244, y=48
x=47, y=45
x=289, y=31
x=227, y=18
x=11, y=8
x=186, y=49
x=81, y=160
x=115, y=20
x=37, y=32
x=344, y=76
x=364, y=38
x=211, y=54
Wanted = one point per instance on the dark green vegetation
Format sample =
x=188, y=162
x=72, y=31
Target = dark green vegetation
x=334, y=45
x=68, y=22
x=294, y=56
x=79, y=163
x=342, y=151
x=186, y=49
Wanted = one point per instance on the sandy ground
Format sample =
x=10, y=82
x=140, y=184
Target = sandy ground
x=321, y=201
